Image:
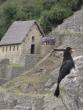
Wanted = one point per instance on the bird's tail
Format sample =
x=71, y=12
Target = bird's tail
x=57, y=91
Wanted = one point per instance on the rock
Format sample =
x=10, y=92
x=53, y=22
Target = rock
x=25, y=88
x=49, y=83
x=72, y=90
x=11, y=102
x=53, y=103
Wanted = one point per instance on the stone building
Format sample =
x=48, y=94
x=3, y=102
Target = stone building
x=22, y=38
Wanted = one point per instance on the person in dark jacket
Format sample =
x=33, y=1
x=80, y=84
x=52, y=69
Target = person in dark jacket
x=65, y=68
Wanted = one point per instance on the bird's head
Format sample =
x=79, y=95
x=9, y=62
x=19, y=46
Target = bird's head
x=67, y=53
x=69, y=50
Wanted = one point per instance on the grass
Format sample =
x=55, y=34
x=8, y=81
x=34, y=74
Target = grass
x=16, y=65
x=31, y=79
x=2, y=89
x=31, y=94
x=34, y=82
x=36, y=79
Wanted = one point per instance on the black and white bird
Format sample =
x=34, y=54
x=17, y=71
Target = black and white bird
x=67, y=65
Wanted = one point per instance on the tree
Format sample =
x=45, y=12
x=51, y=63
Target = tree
x=10, y=12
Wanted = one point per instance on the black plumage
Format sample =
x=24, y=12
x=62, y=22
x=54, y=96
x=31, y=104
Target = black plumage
x=65, y=69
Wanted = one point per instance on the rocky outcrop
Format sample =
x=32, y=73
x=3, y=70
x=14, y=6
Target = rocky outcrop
x=72, y=88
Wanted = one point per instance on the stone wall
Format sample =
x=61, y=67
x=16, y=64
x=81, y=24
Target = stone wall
x=31, y=60
x=13, y=71
x=18, y=69
x=46, y=49
x=3, y=66
x=3, y=70
x=11, y=52
x=8, y=71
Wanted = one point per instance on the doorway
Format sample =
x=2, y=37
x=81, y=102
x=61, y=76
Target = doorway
x=32, y=48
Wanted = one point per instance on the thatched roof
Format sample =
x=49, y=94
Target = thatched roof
x=17, y=32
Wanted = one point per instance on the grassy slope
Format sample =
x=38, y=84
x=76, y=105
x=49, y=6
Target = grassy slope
x=35, y=80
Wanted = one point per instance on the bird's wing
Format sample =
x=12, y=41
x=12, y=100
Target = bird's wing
x=64, y=63
x=66, y=67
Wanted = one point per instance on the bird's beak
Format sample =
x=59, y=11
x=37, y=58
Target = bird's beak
x=73, y=50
